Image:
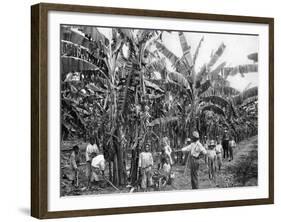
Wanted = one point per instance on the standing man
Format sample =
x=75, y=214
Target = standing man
x=219, y=151
x=168, y=149
x=145, y=166
x=74, y=160
x=225, y=143
x=196, y=151
x=232, y=146
x=165, y=166
x=212, y=160
x=91, y=151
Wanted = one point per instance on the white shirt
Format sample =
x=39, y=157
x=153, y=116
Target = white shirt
x=168, y=150
x=218, y=149
x=232, y=143
x=195, y=149
x=99, y=162
x=145, y=160
x=90, y=149
x=211, y=154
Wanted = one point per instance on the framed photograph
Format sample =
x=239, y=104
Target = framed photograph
x=140, y=111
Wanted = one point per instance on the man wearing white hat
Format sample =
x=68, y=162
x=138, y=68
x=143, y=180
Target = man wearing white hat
x=195, y=150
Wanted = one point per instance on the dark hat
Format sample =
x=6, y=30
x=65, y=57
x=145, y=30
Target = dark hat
x=75, y=147
x=212, y=143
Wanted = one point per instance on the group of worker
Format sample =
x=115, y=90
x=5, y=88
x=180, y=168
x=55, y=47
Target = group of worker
x=95, y=163
x=212, y=152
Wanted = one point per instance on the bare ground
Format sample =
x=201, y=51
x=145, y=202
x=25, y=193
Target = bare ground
x=242, y=171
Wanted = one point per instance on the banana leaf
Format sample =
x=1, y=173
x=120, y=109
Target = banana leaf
x=213, y=74
x=158, y=65
x=179, y=79
x=197, y=50
x=242, y=69
x=213, y=108
x=78, y=38
x=216, y=100
x=202, y=72
x=127, y=33
x=216, y=55
x=249, y=101
x=73, y=64
x=254, y=57
x=93, y=88
x=204, y=87
x=185, y=49
x=95, y=34
x=227, y=90
x=163, y=121
x=152, y=96
x=239, y=99
x=152, y=86
x=167, y=53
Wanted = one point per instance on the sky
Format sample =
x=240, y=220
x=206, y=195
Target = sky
x=238, y=47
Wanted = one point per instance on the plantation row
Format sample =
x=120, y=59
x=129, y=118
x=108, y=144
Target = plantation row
x=121, y=89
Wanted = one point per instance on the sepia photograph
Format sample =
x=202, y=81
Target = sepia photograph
x=144, y=110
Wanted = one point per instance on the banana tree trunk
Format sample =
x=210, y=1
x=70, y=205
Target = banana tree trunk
x=119, y=171
x=134, y=159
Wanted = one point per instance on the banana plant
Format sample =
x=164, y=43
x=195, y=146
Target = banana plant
x=208, y=89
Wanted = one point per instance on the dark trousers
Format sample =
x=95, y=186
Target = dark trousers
x=194, y=167
x=225, y=148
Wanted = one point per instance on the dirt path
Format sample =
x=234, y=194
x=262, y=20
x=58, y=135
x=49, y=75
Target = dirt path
x=242, y=171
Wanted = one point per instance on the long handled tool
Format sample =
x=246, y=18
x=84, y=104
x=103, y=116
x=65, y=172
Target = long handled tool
x=108, y=181
x=186, y=163
x=77, y=179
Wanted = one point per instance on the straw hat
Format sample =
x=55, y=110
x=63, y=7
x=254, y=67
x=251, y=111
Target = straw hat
x=195, y=134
